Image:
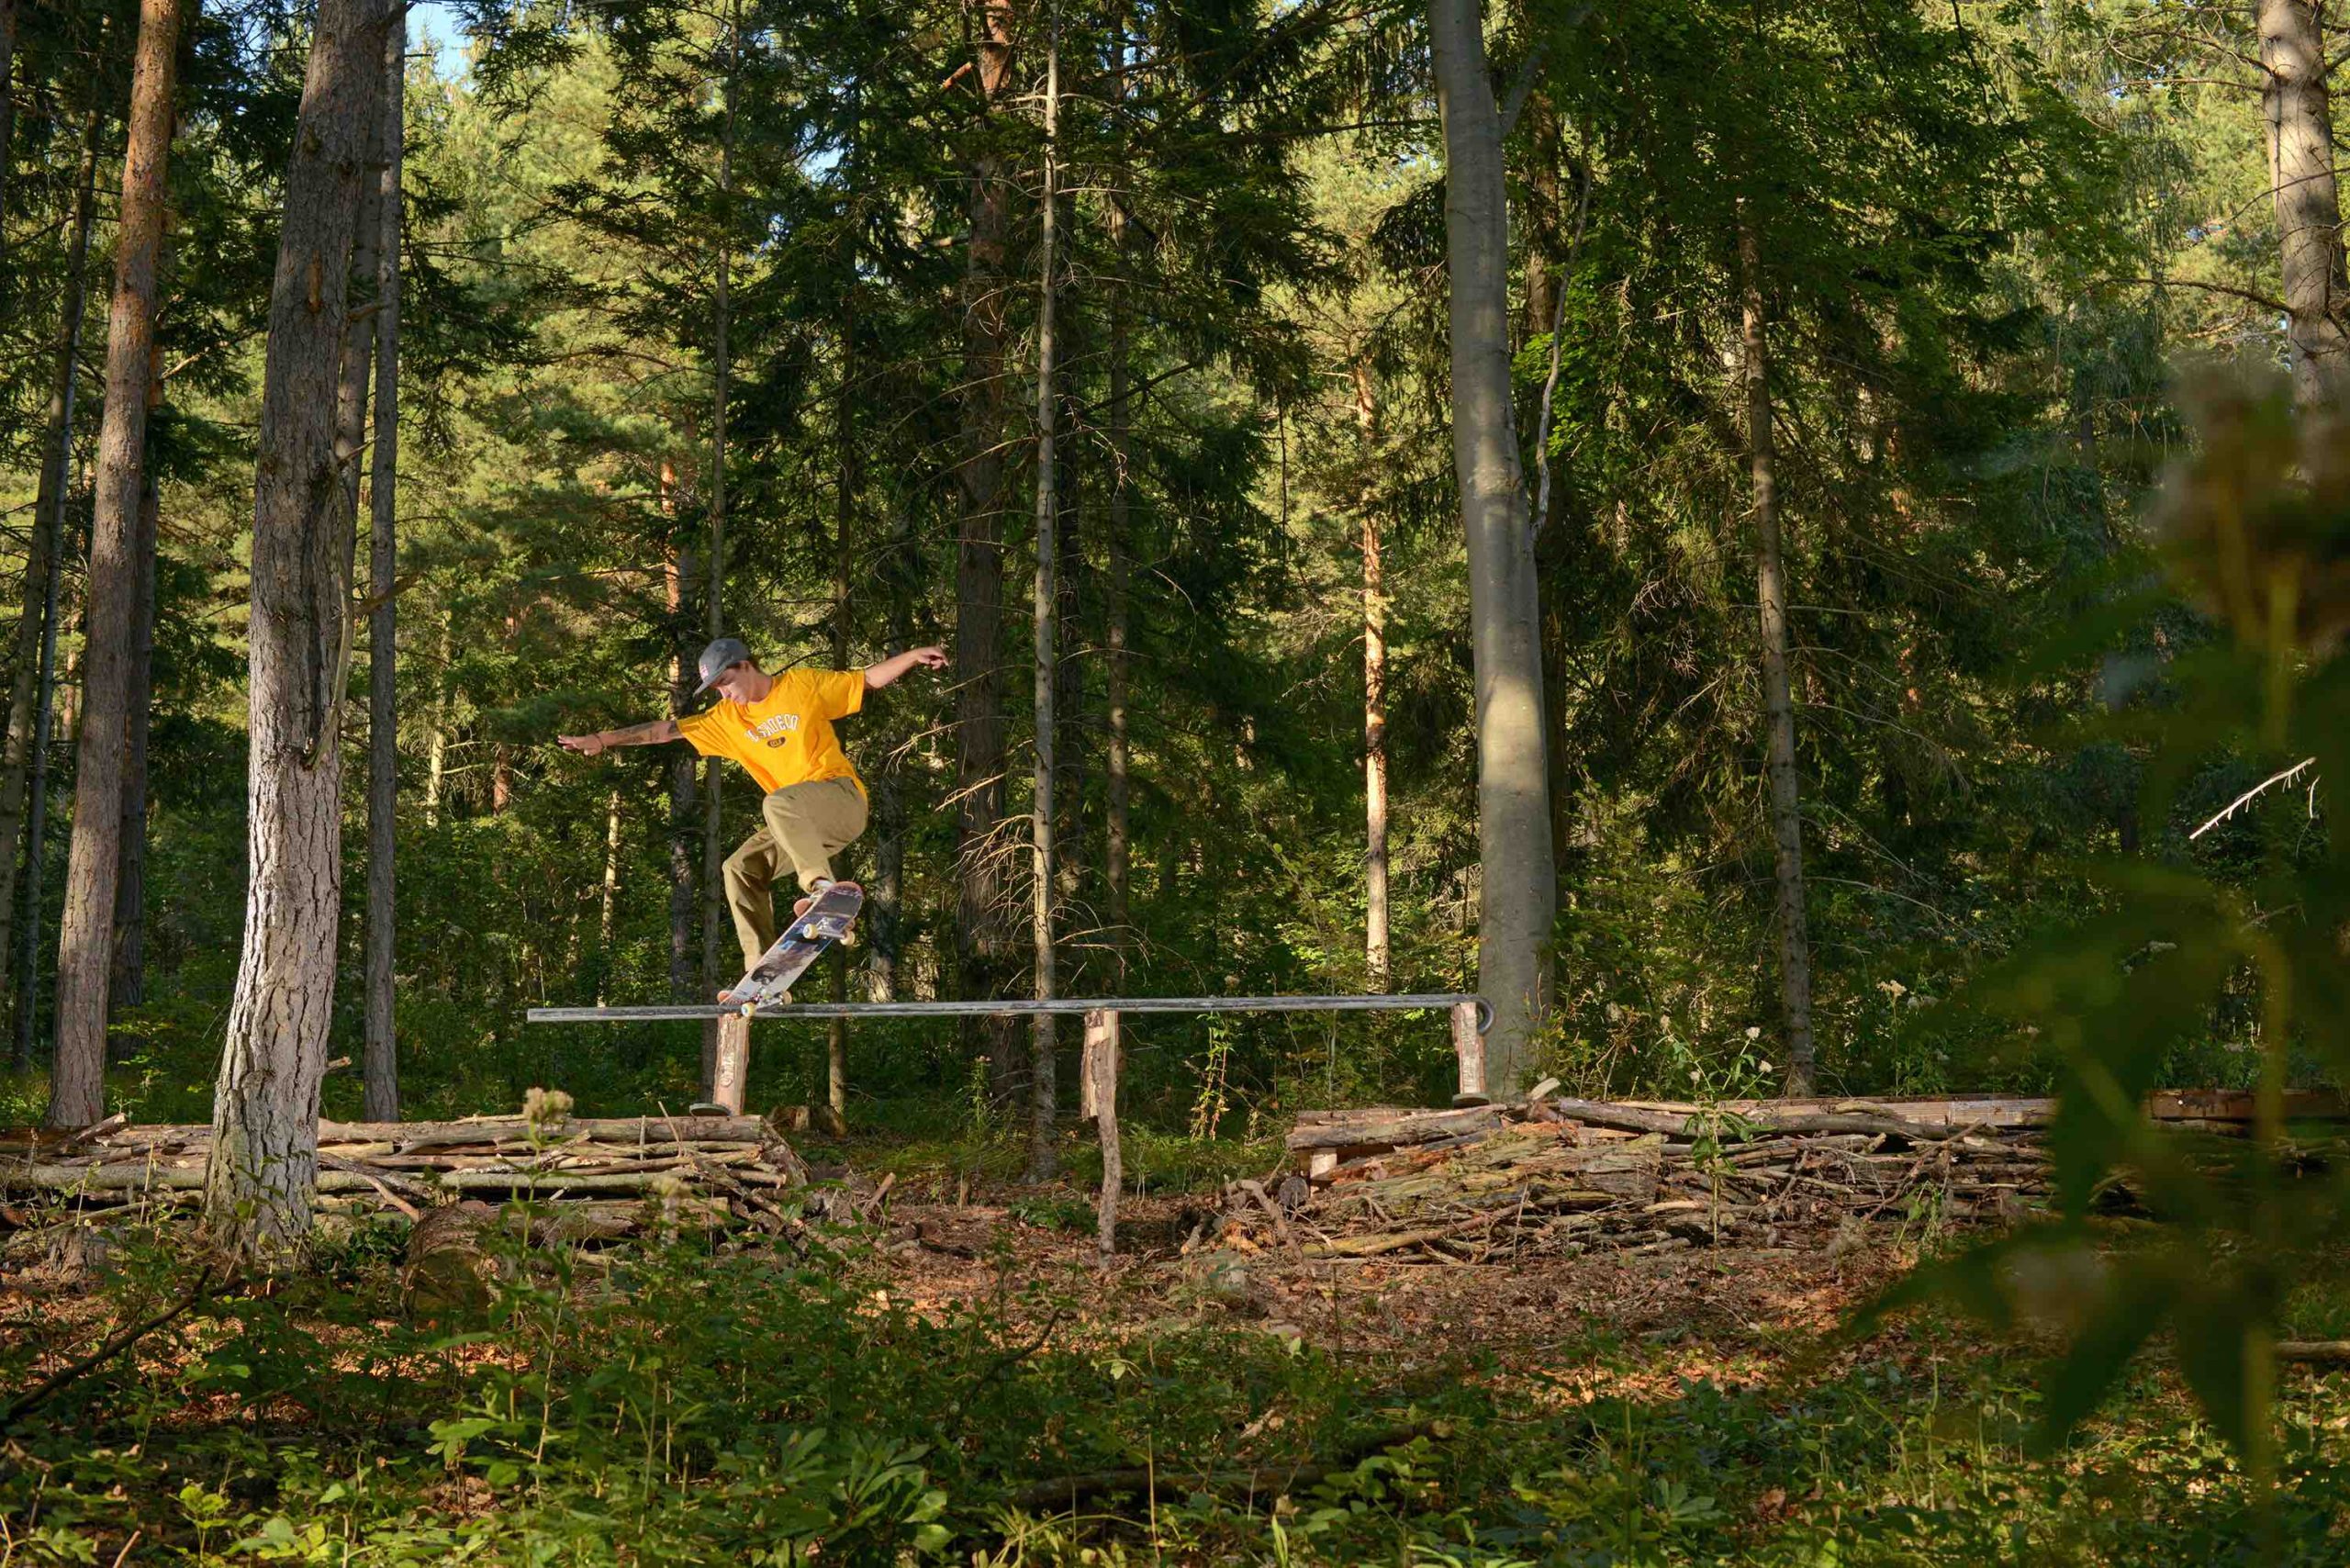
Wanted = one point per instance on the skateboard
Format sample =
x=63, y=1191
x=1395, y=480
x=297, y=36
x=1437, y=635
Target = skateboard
x=770, y=980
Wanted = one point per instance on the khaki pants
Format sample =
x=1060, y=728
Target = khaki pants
x=807, y=825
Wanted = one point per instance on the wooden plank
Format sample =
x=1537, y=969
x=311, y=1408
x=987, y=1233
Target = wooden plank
x=2239, y=1106
x=1469, y=1050
x=1415, y=1127
x=733, y=1062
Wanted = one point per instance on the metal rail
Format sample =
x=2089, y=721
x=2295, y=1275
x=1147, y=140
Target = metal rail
x=1012, y=1006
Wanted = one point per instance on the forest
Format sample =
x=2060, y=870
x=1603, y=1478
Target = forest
x=1694, y=654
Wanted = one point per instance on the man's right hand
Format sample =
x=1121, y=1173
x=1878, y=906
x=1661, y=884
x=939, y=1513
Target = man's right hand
x=586, y=745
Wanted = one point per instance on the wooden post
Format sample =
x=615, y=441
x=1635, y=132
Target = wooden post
x=733, y=1062
x=1470, y=1046
x=1098, y=1098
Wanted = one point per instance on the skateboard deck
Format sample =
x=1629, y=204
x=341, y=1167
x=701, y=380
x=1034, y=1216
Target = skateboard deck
x=802, y=943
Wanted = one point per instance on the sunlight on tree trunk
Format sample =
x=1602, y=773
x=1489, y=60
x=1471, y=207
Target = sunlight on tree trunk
x=86, y=933
x=2298, y=118
x=260, y=1179
x=1519, y=893
x=1374, y=689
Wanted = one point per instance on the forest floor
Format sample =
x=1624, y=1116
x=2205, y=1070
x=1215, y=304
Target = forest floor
x=965, y=1385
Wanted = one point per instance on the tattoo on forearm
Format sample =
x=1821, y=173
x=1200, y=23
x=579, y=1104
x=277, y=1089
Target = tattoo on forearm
x=659, y=730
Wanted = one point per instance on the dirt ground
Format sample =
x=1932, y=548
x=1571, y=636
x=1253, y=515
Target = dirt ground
x=1726, y=1312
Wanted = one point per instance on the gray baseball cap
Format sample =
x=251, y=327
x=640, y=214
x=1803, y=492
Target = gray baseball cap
x=721, y=656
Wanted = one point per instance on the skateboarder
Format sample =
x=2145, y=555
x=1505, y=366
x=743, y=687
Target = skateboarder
x=779, y=727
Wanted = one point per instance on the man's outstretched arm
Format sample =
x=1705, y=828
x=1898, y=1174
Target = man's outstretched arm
x=881, y=675
x=654, y=733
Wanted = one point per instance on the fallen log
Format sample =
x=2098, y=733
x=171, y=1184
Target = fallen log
x=606, y=1176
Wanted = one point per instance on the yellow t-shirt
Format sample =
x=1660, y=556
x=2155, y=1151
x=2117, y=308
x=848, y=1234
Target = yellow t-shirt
x=785, y=737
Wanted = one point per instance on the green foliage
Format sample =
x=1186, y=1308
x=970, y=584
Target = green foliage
x=2255, y=524
x=677, y=1406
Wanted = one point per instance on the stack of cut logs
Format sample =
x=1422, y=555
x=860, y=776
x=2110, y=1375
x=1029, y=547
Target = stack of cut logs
x=1562, y=1176
x=589, y=1177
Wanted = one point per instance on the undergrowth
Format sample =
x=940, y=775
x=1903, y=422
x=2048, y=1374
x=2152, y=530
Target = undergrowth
x=684, y=1404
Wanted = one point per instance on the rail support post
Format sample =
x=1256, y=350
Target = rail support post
x=1098, y=1098
x=1469, y=1045
x=734, y=1066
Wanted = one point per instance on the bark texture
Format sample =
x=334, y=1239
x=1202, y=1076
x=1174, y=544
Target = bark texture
x=2298, y=117
x=1041, y=1039
x=984, y=931
x=259, y=1185
x=1117, y=846
x=36, y=622
x=380, y=1059
x=1375, y=689
x=1513, y=786
x=94, y=864
x=1771, y=589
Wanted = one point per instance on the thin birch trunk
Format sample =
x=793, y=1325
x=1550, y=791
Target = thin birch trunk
x=2298, y=114
x=1519, y=882
x=436, y=748
x=379, y=1062
x=1042, y=1156
x=1771, y=585
x=608, y=904
x=28, y=671
x=260, y=1181
x=1375, y=689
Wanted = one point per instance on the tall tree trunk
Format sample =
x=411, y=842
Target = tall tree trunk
x=36, y=622
x=259, y=1180
x=1042, y=1156
x=436, y=748
x=844, y=538
x=1069, y=664
x=1513, y=787
x=715, y=919
x=127, y=987
x=608, y=903
x=379, y=1061
x=1771, y=585
x=7, y=132
x=888, y=925
x=2298, y=117
x=1374, y=687
x=1543, y=278
x=36, y=826
x=94, y=864
x=984, y=933
x=1117, y=830
x=676, y=570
